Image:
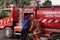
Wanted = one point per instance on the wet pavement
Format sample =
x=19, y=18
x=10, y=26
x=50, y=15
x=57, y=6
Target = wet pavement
x=2, y=36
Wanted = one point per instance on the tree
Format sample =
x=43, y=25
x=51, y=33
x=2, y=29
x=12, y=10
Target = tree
x=24, y=2
x=17, y=3
x=47, y=3
x=1, y=3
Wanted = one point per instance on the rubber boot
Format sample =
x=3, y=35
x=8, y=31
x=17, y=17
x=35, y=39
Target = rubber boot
x=37, y=37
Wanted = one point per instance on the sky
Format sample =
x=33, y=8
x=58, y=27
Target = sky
x=54, y=2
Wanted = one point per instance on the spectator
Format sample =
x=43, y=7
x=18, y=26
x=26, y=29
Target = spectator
x=25, y=28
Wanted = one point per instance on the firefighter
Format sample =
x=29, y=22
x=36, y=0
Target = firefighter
x=35, y=28
x=25, y=28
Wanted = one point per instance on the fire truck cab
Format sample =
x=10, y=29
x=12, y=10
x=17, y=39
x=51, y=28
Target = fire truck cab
x=8, y=19
x=8, y=16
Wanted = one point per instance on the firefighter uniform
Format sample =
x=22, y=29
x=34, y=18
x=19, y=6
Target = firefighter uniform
x=35, y=28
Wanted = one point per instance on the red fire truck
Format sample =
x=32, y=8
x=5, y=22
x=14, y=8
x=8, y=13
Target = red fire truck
x=49, y=19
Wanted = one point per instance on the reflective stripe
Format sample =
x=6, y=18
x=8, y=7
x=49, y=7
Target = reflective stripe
x=56, y=21
x=44, y=20
x=18, y=27
x=17, y=33
x=11, y=19
x=7, y=20
x=1, y=26
x=39, y=19
x=1, y=22
x=4, y=22
x=50, y=20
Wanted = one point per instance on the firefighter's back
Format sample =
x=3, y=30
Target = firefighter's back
x=35, y=26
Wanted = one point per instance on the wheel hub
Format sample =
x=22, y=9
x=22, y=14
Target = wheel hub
x=7, y=32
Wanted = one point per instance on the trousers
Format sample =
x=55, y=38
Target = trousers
x=24, y=34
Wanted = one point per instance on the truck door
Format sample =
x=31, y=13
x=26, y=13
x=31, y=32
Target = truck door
x=5, y=18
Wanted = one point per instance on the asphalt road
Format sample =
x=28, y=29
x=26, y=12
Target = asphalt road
x=2, y=37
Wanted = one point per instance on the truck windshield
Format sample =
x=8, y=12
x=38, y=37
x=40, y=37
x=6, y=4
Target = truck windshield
x=6, y=13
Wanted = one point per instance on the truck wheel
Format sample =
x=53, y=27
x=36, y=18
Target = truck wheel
x=8, y=32
x=55, y=37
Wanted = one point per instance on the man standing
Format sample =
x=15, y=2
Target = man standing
x=35, y=28
x=25, y=28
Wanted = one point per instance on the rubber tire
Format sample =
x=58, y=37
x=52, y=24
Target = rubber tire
x=54, y=37
x=11, y=32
